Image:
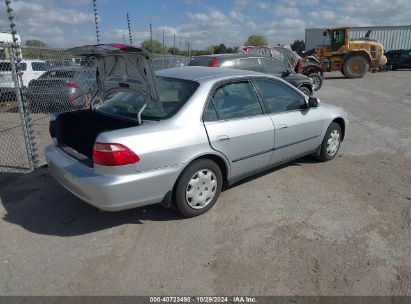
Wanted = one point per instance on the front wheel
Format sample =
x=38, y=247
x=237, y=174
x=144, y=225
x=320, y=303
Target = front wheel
x=331, y=142
x=198, y=188
x=317, y=81
x=355, y=67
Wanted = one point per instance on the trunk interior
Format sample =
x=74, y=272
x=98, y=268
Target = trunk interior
x=78, y=130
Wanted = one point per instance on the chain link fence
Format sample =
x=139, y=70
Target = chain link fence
x=36, y=82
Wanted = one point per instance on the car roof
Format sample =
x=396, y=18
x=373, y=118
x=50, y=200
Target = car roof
x=70, y=68
x=197, y=73
x=236, y=56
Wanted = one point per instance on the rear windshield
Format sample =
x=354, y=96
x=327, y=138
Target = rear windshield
x=127, y=103
x=68, y=74
x=200, y=61
x=59, y=74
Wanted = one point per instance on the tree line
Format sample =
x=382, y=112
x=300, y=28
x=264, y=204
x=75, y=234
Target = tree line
x=156, y=47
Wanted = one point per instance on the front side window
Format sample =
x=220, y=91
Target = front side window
x=127, y=103
x=236, y=100
x=272, y=66
x=279, y=97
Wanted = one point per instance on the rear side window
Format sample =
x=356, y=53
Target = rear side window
x=200, y=61
x=249, y=64
x=39, y=66
x=272, y=66
x=235, y=100
x=278, y=96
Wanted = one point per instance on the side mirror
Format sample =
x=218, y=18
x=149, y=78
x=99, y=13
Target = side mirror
x=313, y=102
x=285, y=73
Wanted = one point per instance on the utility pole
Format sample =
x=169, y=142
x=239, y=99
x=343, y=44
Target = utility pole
x=96, y=21
x=164, y=56
x=129, y=29
x=151, y=36
x=174, y=50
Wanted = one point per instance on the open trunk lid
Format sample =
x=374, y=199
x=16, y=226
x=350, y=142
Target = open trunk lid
x=121, y=65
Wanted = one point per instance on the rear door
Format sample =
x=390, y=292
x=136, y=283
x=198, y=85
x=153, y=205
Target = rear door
x=238, y=127
x=297, y=128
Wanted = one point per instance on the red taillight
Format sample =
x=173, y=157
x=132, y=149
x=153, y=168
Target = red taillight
x=109, y=154
x=71, y=84
x=213, y=62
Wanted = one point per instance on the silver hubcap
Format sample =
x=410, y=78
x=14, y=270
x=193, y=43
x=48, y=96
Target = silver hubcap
x=201, y=189
x=316, y=82
x=333, y=143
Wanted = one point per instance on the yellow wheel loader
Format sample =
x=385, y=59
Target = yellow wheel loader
x=353, y=57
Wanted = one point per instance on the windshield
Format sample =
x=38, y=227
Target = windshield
x=127, y=103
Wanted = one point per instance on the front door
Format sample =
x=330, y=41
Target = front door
x=297, y=128
x=237, y=127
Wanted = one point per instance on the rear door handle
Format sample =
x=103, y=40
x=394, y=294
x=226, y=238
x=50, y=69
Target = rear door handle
x=223, y=137
x=282, y=126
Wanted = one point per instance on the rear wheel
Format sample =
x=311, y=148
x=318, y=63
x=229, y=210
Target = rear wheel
x=317, y=81
x=355, y=67
x=198, y=188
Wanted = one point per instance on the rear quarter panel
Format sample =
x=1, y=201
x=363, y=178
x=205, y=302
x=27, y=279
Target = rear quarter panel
x=161, y=144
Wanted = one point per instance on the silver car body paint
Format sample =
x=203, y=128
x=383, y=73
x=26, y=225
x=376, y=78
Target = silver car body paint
x=168, y=146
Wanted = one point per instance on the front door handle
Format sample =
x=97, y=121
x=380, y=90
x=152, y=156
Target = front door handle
x=282, y=126
x=223, y=137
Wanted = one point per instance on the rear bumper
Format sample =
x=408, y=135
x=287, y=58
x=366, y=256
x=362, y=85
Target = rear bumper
x=111, y=192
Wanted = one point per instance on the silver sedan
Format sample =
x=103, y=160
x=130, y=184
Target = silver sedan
x=175, y=137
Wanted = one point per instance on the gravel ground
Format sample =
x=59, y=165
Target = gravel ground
x=306, y=228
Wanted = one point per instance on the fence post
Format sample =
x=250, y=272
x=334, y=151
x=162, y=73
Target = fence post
x=25, y=119
x=15, y=58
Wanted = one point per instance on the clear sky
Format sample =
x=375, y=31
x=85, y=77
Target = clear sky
x=201, y=22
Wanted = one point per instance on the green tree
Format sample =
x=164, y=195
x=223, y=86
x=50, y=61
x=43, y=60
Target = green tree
x=35, y=43
x=256, y=40
x=298, y=46
x=155, y=46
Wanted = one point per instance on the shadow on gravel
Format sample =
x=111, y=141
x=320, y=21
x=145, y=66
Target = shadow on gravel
x=38, y=204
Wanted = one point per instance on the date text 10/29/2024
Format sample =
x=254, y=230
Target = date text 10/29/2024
x=204, y=299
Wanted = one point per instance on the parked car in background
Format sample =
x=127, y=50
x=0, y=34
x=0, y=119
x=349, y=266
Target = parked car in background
x=288, y=58
x=61, y=89
x=61, y=63
x=399, y=59
x=177, y=137
x=257, y=63
x=29, y=70
x=314, y=69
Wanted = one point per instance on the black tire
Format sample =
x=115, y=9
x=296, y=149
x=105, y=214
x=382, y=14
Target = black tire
x=317, y=81
x=323, y=154
x=355, y=67
x=305, y=90
x=181, y=203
